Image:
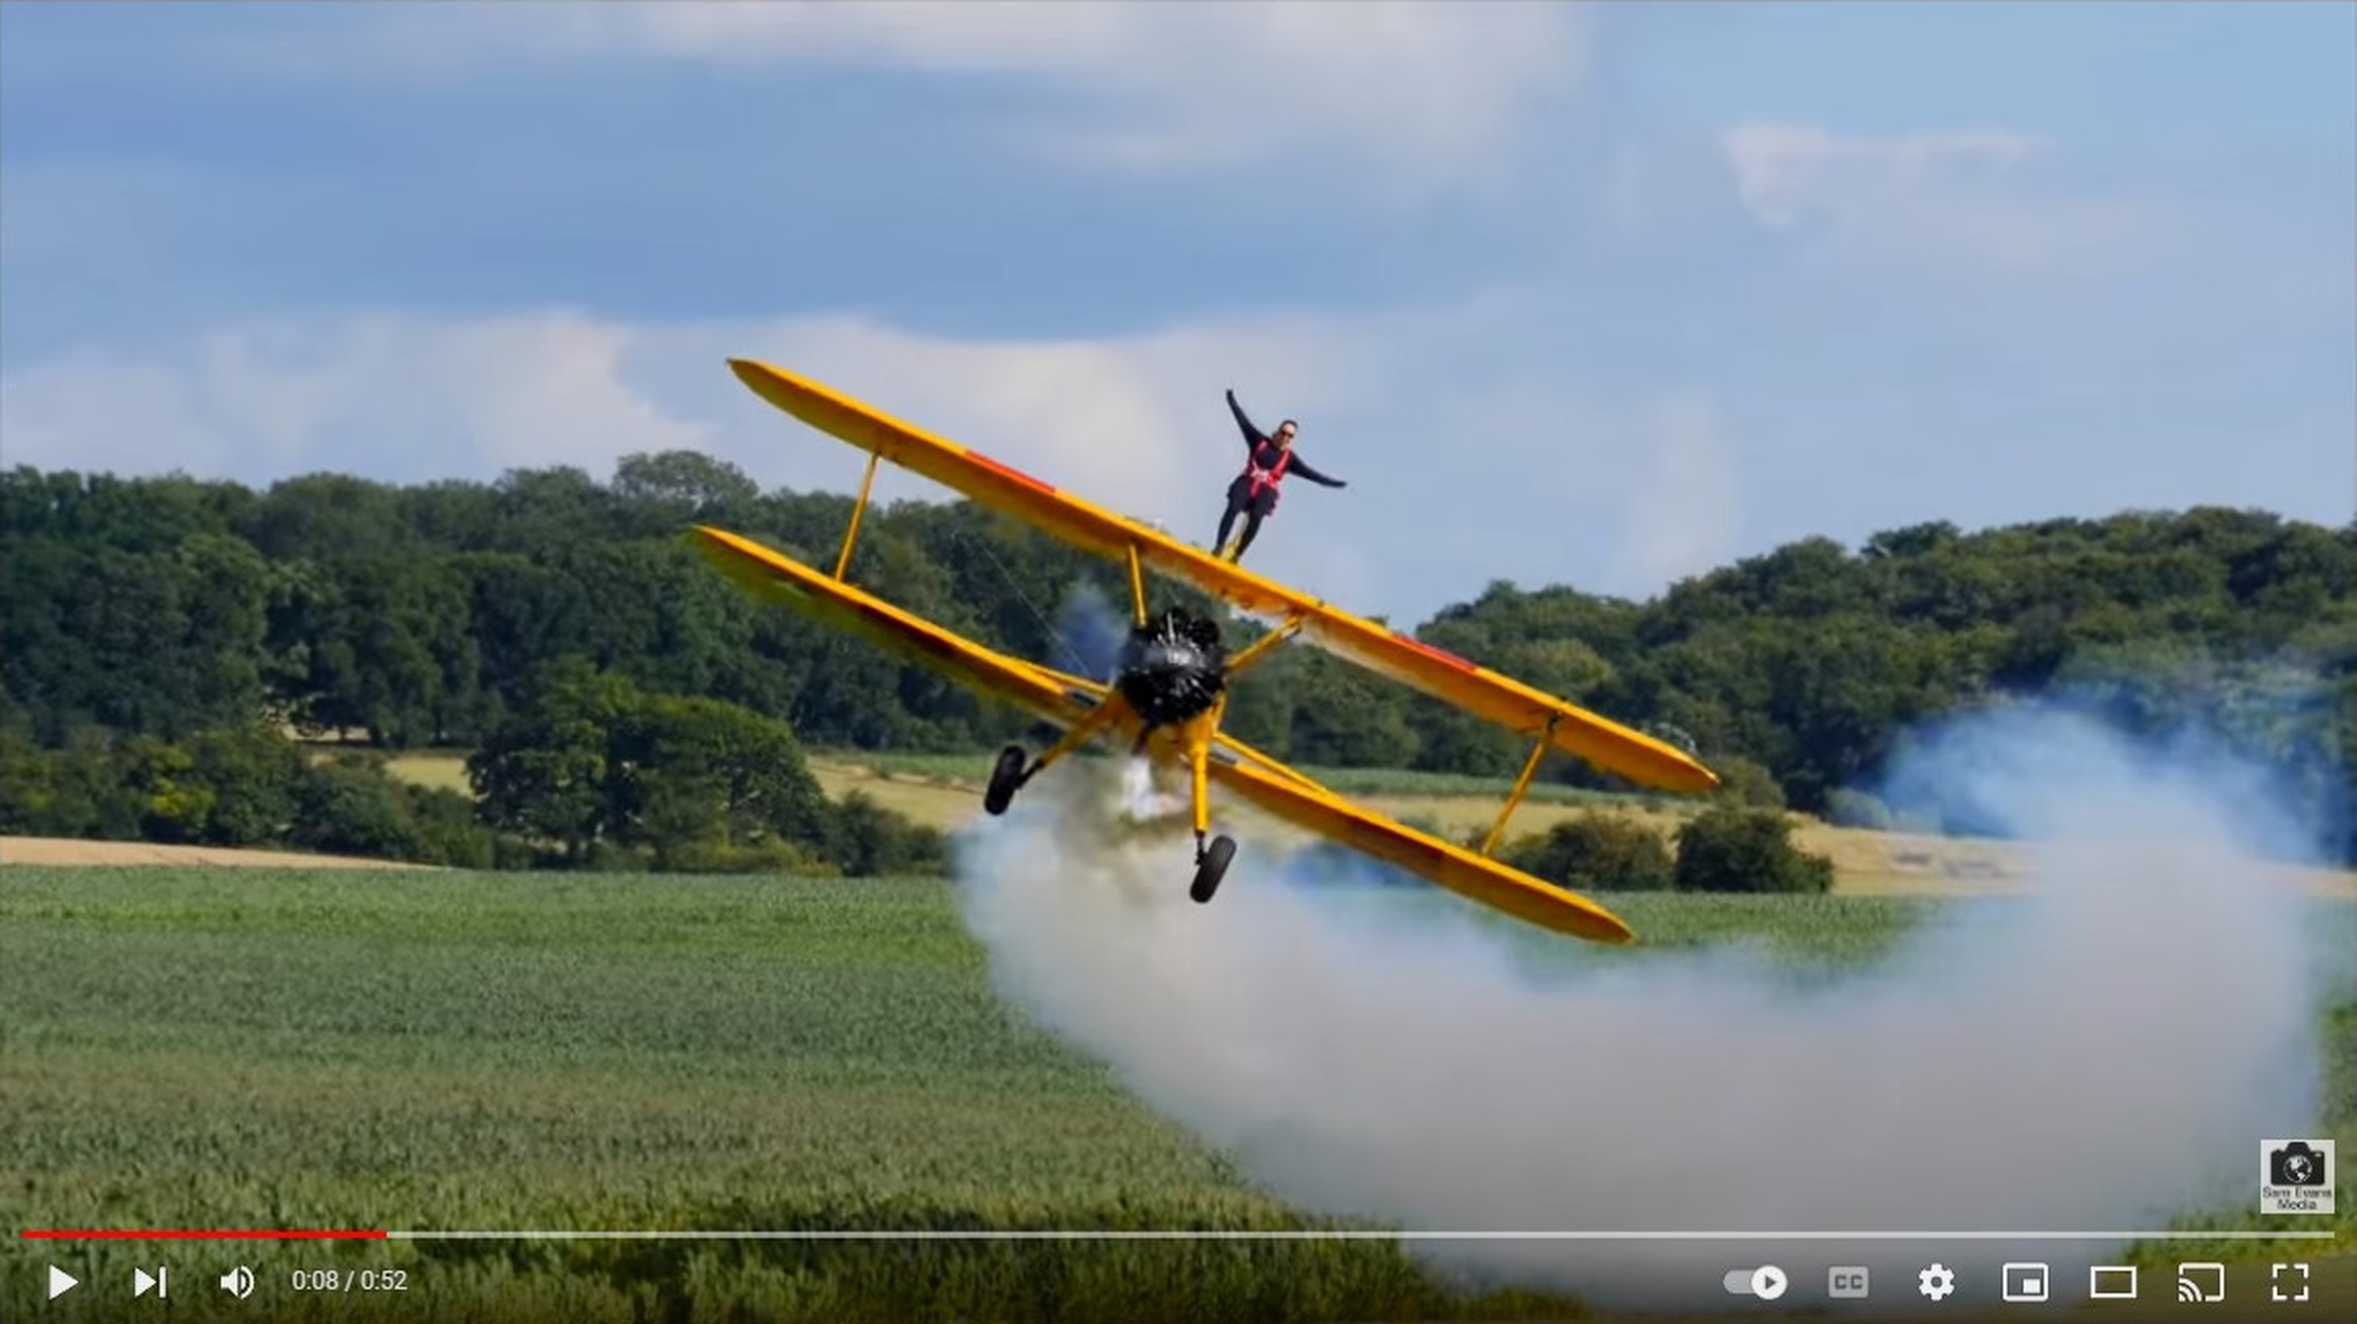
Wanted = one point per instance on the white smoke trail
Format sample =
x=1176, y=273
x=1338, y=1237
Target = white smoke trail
x=2103, y=1053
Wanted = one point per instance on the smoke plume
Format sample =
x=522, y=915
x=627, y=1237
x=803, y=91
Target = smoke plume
x=2104, y=1051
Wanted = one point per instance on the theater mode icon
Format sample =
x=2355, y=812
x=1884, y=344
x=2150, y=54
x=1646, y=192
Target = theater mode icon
x=2111, y=1282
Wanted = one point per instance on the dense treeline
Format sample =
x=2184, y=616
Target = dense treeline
x=237, y=786
x=423, y=614
x=591, y=773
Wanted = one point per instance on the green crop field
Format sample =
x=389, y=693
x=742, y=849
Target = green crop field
x=458, y=1050
x=974, y=770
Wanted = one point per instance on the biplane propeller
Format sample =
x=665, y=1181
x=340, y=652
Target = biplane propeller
x=1169, y=689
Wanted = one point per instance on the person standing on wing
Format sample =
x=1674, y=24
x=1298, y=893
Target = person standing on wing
x=1253, y=494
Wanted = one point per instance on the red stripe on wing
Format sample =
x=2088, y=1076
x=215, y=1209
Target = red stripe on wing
x=1428, y=650
x=1009, y=471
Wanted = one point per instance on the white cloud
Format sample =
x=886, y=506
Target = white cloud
x=1454, y=481
x=1787, y=171
x=1432, y=92
x=393, y=395
x=1954, y=195
x=1479, y=442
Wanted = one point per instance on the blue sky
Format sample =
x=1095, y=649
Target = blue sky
x=1591, y=295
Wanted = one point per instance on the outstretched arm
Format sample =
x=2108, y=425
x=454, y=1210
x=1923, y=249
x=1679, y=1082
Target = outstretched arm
x=1252, y=435
x=1301, y=466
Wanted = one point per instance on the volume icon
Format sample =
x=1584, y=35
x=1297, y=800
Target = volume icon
x=238, y=1282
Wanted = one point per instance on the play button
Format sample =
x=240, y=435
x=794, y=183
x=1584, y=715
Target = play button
x=1768, y=1282
x=61, y=1282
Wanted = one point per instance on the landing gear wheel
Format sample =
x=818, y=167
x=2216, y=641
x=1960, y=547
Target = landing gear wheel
x=1210, y=867
x=1005, y=777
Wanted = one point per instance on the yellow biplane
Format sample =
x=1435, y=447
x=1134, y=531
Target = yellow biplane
x=1170, y=689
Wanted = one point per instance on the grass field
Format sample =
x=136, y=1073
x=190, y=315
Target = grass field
x=451, y=1050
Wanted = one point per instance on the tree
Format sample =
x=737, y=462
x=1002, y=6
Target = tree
x=324, y=517
x=671, y=488
x=1597, y=851
x=865, y=838
x=349, y=806
x=1746, y=850
x=748, y=768
x=547, y=771
x=163, y=642
x=253, y=776
x=386, y=647
x=1348, y=717
x=594, y=763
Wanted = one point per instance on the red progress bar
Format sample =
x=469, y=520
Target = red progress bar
x=201, y=1234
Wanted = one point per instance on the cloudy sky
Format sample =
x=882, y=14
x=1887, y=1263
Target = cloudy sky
x=1601, y=296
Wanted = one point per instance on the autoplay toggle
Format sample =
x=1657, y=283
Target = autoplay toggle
x=1766, y=1282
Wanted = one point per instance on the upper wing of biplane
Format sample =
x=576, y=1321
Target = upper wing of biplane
x=1443, y=675
x=1245, y=772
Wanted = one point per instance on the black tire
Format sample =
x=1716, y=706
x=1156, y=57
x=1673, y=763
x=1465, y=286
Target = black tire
x=1211, y=868
x=1005, y=777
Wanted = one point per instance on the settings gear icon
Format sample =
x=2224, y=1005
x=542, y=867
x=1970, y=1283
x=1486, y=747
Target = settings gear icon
x=1936, y=1282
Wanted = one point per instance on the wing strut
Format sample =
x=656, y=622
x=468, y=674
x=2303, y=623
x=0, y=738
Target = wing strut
x=1137, y=585
x=1530, y=769
x=1258, y=648
x=1110, y=709
x=867, y=484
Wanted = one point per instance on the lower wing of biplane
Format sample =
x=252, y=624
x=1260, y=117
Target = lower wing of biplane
x=1088, y=710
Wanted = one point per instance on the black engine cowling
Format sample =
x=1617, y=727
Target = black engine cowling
x=1173, y=667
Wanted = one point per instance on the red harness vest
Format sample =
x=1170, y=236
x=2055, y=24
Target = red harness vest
x=1265, y=479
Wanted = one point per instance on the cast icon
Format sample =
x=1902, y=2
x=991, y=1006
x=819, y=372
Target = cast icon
x=2202, y=1283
